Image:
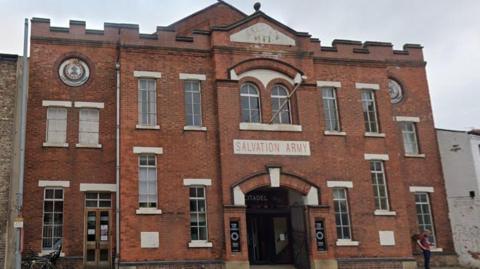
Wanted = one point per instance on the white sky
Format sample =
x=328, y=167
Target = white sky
x=449, y=30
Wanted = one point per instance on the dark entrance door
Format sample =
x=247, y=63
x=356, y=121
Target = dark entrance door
x=269, y=227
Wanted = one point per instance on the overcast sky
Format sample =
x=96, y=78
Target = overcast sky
x=449, y=30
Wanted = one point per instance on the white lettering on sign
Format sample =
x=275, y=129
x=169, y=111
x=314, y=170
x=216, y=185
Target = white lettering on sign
x=271, y=147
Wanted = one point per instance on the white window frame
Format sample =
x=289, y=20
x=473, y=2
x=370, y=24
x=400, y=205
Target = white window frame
x=153, y=124
x=53, y=212
x=192, y=93
x=413, y=134
x=325, y=100
x=84, y=144
x=198, y=242
x=250, y=96
x=375, y=175
x=281, y=99
x=48, y=142
x=422, y=226
x=148, y=167
x=341, y=225
x=367, y=121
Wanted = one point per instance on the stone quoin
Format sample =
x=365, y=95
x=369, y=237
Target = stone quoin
x=241, y=141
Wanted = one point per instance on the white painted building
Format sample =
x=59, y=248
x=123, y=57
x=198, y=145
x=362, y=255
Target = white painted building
x=460, y=153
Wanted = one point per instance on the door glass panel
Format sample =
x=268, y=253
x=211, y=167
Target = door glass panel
x=104, y=226
x=104, y=255
x=91, y=225
x=90, y=255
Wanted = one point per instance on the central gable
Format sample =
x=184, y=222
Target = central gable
x=262, y=33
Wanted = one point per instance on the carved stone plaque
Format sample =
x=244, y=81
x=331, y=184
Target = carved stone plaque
x=262, y=33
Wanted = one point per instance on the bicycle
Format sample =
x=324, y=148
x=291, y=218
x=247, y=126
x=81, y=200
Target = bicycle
x=43, y=262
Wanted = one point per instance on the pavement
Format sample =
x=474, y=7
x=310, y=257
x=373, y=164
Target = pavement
x=293, y=267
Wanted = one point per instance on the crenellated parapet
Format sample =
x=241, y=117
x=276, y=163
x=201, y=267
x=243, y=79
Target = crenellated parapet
x=116, y=33
x=370, y=50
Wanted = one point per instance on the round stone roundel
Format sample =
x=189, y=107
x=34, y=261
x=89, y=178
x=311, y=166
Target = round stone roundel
x=74, y=72
x=395, y=91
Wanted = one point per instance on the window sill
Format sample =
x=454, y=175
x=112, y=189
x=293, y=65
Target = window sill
x=96, y=146
x=46, y=252
x=270, y=127
x=336, y=133
x=374, y=134
x=53, y=145
x=415, y=156
x=347, y=243
x=147, y=127
x=436, y=250
x=148, y=211
x=195, y=128
x=200, y=244
x=384, y=213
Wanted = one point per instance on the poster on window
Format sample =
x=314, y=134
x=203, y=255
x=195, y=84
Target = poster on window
x=104, y=232
x=235, y=236
x=320, y=235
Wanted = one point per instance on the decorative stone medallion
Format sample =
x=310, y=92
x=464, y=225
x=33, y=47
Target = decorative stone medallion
x=395, y=91
x=74, y=72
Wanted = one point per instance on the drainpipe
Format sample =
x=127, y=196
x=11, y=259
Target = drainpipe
x=23, y=117
x=117, y=163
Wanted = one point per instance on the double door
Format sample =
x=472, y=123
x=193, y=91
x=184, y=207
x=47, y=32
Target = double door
x=98, y=243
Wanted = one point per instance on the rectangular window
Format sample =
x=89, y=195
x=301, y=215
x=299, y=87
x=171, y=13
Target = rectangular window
x=409, y=135
x=198, y=214
x=330, y=109
x=56, y=125
x=52, y=217
x=342, y=217
x=147, y=102
x=98, y=199
x=88, y=129
x=147, y=181
x=377, y=172
x=424, y=214
x=193, y=103
x=370, y=111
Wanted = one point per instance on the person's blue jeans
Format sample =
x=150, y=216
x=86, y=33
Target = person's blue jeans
x=426, y=258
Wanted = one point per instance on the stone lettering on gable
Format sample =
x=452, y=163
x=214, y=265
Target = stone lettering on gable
x=271, y=147
x=262, y=33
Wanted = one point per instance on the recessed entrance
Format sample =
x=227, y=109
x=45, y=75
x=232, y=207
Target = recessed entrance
x=98, y=219
x=276, y=227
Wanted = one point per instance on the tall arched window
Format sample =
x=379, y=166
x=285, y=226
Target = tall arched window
x=279, y=97
x=250, y=103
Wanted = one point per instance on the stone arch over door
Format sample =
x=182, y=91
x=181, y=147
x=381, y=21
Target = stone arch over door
x=275, y=177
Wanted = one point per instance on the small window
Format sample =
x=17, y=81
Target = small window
x=370, y=111
x=147, y=192
x=52, y=217
x=193, y=103
x=147, y=102
x=424, y=214
x=377, y=172
x=88, y=129
x=250, y=103
x=342, y=216
x=198, y=214
x=280, y=102
x=330, y=109
x=409, y=135
x=56, y=125
x=98, y=199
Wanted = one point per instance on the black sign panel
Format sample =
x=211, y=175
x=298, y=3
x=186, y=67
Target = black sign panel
x=320, y=235
x=235, y=236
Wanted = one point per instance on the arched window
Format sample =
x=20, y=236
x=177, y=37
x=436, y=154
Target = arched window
x=250, y=103
x=279, y=97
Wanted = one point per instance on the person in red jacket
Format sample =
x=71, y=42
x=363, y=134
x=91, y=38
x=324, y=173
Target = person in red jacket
x=425, y=245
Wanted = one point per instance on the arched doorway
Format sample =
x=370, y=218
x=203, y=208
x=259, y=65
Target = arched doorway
x=276, y=227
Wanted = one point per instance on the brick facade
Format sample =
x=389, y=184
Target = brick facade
x=201, y=44
x=9, y=82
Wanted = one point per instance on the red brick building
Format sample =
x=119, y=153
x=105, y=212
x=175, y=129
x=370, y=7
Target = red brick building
x=240, y=141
